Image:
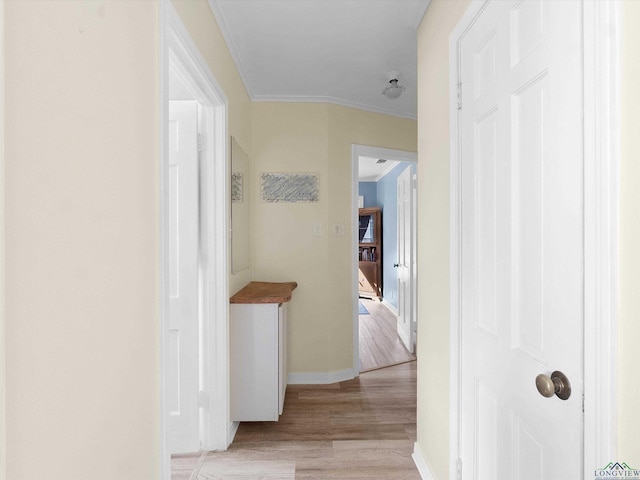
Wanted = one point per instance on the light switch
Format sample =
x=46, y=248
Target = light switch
x=338, y=229
x=317, y=229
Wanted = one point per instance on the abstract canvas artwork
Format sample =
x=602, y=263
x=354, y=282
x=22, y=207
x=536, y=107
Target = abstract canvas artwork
x=289, y=187
x=236, y=187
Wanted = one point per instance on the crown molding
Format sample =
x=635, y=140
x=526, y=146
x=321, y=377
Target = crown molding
x=233, y=50
x=333, y=101
x=242, y=71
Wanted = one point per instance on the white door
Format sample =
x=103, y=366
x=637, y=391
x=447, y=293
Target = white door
x=405, y=260
x=521, y=240
x=182, y=381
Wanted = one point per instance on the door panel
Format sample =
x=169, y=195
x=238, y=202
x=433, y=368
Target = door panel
x=405, y=261
x=182, y=382
x=522, y=239
x=528, y=117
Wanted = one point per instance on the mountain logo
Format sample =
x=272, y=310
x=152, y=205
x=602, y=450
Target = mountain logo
x=617, y=470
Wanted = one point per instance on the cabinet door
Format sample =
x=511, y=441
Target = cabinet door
x=255, y=362
x=368, y=281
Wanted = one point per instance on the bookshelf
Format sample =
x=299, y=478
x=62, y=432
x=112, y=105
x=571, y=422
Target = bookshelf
x=370, y=253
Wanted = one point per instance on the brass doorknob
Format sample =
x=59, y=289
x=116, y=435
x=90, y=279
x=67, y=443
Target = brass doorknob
x=557, y=384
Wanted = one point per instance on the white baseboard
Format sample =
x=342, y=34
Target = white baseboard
x=423, y=466
x=233, y=429
x=390, y=306
x=321, y=378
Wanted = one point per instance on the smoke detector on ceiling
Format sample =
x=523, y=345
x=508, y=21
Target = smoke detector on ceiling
x=394, y=90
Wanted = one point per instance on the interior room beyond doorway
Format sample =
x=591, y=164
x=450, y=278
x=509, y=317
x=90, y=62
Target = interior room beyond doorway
x=384, y=205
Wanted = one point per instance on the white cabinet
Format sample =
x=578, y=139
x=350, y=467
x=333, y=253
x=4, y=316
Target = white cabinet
x=258, y=335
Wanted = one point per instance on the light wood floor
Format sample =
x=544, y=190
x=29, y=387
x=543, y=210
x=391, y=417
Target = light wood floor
x=380, y=345
x=361, y=428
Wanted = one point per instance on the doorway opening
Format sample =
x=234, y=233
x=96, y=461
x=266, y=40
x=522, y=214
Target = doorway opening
x=193, y=352
x=384, y=256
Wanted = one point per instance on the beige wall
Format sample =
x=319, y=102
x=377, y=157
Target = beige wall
x=82, y=240
x=81, y=232
x=314, y=138
x=629, y=264
x=3, y=444
x=433, y=230
x=203, y=29
x=433, y=182
x=293, y=138
x=82, y=223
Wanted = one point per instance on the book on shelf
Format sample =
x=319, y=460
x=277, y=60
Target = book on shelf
x=367, y=254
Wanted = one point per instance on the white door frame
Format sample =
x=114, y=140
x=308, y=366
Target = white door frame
x=179, y=52
x=601, y=36
x=356, y=152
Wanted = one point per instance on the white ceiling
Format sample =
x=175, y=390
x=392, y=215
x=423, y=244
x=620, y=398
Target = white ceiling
x=337, y=51
x=369, y=170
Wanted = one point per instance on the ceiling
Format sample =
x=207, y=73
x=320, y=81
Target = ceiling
x=372, y=169
x=337, y=51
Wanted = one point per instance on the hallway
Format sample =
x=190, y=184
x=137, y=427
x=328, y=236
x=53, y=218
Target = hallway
x=380, y=345
x=361, y=428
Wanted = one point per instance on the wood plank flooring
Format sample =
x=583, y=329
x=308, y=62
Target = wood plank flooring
x=361, y=428
x=380, y=345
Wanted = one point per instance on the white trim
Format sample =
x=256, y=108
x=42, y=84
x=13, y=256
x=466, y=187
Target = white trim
x=208, y=91
x=420, y=17
x=386, y=153
x=601, y=150
x=390, y=307
x=601, y=123
x=389, y=165
x=233, y=429
x=455, y=349
x=233, y=50
x=392, y=164
x=356, y=152
x=321, y=378
x=424, y=469
x=242, y=71
x=215, y=214
x=179, y=53
x=355, y=310
x=334, y=101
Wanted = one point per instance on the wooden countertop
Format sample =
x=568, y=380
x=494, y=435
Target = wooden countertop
x=265, y=292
